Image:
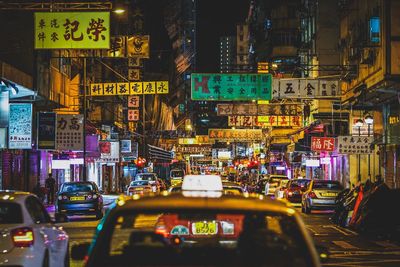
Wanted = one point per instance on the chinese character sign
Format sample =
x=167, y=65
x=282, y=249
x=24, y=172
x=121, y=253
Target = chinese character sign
x=322, y=143
x=72, y=30
x=133, y=101
x=259, y=109
x=69, y=132
x=227, y=87
x=132, y=88
x=281, y=121
x=20, y=126
x=242, y=121
x=235, y=135
x=46, y=130
x=355, y=144
x=138, y=46
x=305, y=88
x=133, y=115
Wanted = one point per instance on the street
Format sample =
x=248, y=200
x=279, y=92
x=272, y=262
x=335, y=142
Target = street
x=346, y=247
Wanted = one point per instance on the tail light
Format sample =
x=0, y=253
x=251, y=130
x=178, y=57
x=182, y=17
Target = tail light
x=290, y=194
x=22, y=237
x=312, y=194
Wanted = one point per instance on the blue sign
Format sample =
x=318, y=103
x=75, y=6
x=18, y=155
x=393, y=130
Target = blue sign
x=20, y=126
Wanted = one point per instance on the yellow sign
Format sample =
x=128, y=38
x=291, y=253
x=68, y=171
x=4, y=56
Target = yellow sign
x=138, y=46
x=72, y=30
x=132, y=88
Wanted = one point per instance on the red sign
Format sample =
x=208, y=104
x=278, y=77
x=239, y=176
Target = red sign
x=322, y=143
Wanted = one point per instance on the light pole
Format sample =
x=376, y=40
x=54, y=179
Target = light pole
x=358, y=124
x=369, y=120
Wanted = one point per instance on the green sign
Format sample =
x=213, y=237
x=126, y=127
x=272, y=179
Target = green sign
x=228, y=87
x=72, y=30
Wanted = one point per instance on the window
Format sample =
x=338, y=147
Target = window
x=36, y=210
x=375, y=30
x=10, y=213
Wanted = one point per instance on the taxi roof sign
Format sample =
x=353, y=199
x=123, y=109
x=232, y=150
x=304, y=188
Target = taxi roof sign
x=202, y=183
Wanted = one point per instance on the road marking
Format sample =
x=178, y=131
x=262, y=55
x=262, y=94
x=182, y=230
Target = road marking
x=387, y=244
x=344, y=244
x=364, y=263
x=337, y=229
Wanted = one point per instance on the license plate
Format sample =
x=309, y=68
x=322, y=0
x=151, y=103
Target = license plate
x=329, y=194
x=76, y=198
x=204, y=228
x=138, y=189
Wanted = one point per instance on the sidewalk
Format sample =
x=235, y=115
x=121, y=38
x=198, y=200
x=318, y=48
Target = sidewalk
x=108, y=200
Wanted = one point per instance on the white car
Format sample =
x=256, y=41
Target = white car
x=280, y=189
x=28, y=237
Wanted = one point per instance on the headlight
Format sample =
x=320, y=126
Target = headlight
x=60, y=197
x=94, y=196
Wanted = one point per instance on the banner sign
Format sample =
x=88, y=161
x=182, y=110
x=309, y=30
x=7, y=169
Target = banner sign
x=69, y=132
x=281, y=121
x=235, y=135
x=126, y=146
x=228, y=87
x=305, y=88
x=198, y=140
x=46, y=137
x=259, y=110
x=355, y=144
x=133, y=101
x=132, y=88
x=322, y=143
x=133, y=115
x=20, y=126
x=72, y=30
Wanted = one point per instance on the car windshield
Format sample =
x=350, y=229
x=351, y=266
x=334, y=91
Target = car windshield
x=145, y=177
x=10, y=213
x=76, y=187
x=202, y=238
x=299, y=183
x=139, y=183
x=327, y=185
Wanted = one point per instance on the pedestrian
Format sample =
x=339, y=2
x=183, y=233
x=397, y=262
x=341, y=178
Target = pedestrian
x=50, y=186
x=123, y=184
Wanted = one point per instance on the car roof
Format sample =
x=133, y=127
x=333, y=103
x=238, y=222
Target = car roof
x=14, y=196
x=223, y=203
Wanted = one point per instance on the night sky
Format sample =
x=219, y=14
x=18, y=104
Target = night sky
x=216, y=18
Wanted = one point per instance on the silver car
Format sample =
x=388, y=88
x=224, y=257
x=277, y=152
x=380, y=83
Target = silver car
x=320, y=195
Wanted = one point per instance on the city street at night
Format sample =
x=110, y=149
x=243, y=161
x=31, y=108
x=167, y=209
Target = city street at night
x=196, y=133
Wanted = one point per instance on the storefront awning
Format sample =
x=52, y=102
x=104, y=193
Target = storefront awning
x=17, y=91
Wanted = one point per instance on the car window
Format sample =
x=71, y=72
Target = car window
x=10, y=213
x=147, y=177
x=36, y=210
x=327, y=185
x=299, y=183
x=139, y=183
x=226, y=238
x=76, y=187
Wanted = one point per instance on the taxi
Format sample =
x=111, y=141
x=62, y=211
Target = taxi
x=199, y=227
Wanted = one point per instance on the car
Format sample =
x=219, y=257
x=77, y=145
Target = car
x=295, y=189
x=320, y=195
x=148, y=176
x=79, y=198
x=28, y=236
x=229, y=188
x=193, y=230
x=145, y=187
x=176, y=176
x=280, y=189
x=272, y=183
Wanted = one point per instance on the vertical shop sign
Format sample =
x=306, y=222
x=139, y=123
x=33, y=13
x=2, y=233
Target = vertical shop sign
x=46, y=130
x=69, y=132
x=133, y=101
x=20, y=126
x=322, y=143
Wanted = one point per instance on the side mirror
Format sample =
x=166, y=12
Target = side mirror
x=79, y=251
x=323, y=253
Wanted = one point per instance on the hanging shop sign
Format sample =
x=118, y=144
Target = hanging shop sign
x=138, y=46
x=134, y=75
x=126, y=146
x=243, y=121
x=46, y=136
x=69, y=132
x=133, y=101
x=198, y=140
x=312, y=163
x=355, y=144
x=228, y=87
x=322, y=143
x=281, y=121
x=194, y=149
x=361, y=130
x=133, y=115
x=259, y=110
x=20, y=126
x=111, y=152
x=235, y=135
x=132, y=88
x=305, y=88
x=72, y=30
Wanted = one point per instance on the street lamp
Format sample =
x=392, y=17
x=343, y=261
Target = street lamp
x=359, y=123
x=369, y=120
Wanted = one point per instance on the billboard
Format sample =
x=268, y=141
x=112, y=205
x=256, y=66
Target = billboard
x=20, y=126
x=46, y=136
x=72, y=30
x=69, y=132
x=231, y=87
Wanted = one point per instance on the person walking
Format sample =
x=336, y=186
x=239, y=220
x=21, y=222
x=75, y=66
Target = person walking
x=50, y=186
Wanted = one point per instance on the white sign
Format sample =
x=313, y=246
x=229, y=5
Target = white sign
x=304, y=88
x=224, y=155
x=113, y=156
x=69, y=132
x=312, y=163
x=325, y=161
x=363, y=130
x=20, y=126
x=355, y=144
